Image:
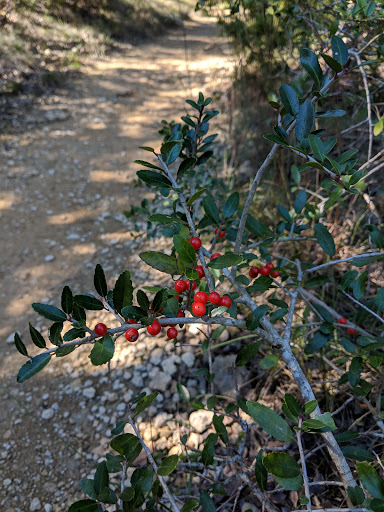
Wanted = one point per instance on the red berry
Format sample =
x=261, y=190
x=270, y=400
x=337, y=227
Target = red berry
x=180, y=286
x=154, y=328
x=132, y=334
x=172, y=333
x=270, y=266
x=214, y=297
x=198, y=308
x=253, y=272
x=342, y=320
x=132, y=321
x=100, y=329
x=195, y=242
x=351, y=331
x=193, y=285
x=180, y=314
x=157, y=311
x=215, y=255
x=264, y=271
x=275, y=273
x=225, y=301
x=201, y=297
x=221, y=233
x=199, y=269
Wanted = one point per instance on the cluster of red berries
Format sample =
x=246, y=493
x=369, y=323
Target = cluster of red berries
x=267, y=270
x=343, y=321
x=201, y=298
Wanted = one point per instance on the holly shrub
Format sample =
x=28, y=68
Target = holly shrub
x=228, y=268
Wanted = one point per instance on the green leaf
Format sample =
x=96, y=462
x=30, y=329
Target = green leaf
x=32, y=367
x=207, y=455
x=101, y=478
x=330, y=113
x=144, y=402
x=211, y=210
x=357, y=453
x=300, y=201
x=365, y=260
x=339, y=50
x=291, y=484
x=332, y=63
x=195, y=196
x=123, y=291
x=87, y=301
x=220, y=428
x=185, y=165
x=88, y=488
x=128, y=494
x=162, y=262
x=128, y=446
x=165, y=219
x=370, y=480
x=154, y=178
x=133, y=313
x=270, y=421
x=20, y=345
x=102, y=351
x=292, y=404
x=325, y=239
x=147, y=148
x=148, y=164
x=346, y=436
x=84, y=506
x=168, y=465
x=379, y=299
x=206, y=502
x=189, y=504
x=174, y=153
x=142, y=479
x=360, y=285
x=311, y=65
x=377, y=505
x=305, y=120
x=67, y=300
x=49, y=312
x=289, y=99
x=310, y=407
x=317, y=146
x=257, y=315
x=261, y=473
x=226, y=261
x=281, y=465
x=184, y=249
x=247, y=353
x=276, y=139
x=37, y=338
x=312, y=425
x=328, y=421
x=268, y=361
x=183, y=392
x=231, y=205
x=118, y=428
x=99, y=281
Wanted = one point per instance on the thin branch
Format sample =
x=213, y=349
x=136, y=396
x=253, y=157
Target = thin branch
x=153, y=464
x=343, y=260
x=303, y=466
x=378, y=317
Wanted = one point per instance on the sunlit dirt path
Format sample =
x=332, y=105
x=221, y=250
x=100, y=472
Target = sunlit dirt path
x=65, y=181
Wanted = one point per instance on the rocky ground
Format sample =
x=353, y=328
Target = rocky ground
x=66, y=178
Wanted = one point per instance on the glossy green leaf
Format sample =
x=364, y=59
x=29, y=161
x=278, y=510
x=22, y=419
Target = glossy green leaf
x=168, y=465
x=291, y=484
x=154, y=178
x=20, y=345
x=184, y=249
x=370, y=480
x=332, y=63
x=269, y=361
x=220, y=428
x=377, y=505
x=226, y=261
x=231, y=205
x=281, y=465
x=99, y=281
x=127, y=445
x=254, y=321
x=289, y=99
x=102, y=351
x=148, y=164
x=49, y=312
x=195, y=196
x=292, y=404
x=270, y=421
x=123, y=291
x=207, y=455
x=189, y=504
x=84, y=506
x=32, y=367
x=128, y=494
x=365, y=260
x=317, y=146
x=325, y=239
x=186, y=165
x=311, y=65
x=86, y=301
x=67, y=300
x=144, y=403
x=359, y=287
x=357, y=453
x=261, y=473
x=162, y=262
x=339, y=50
x=304, y=121
x=310, y=407
x=247, y=353
x=300, y=201
x=206, y=502
x=87, y=486
x=37, y=338
x=211, y=210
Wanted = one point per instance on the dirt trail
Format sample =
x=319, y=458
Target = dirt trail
x=65, y=180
